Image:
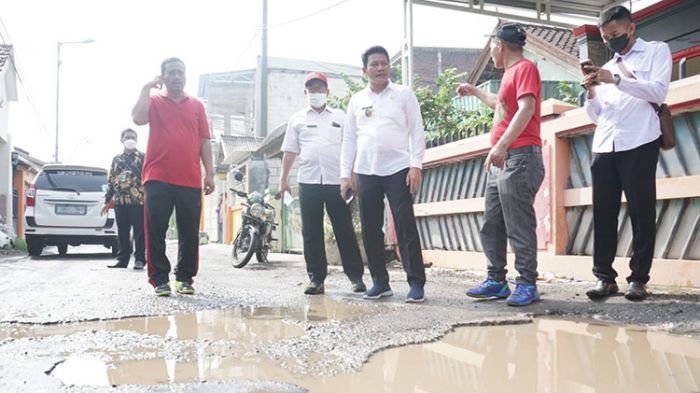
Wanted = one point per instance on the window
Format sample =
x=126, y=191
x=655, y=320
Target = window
x=71, y=180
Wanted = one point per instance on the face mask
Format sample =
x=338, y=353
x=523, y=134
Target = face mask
x=129, y=144
x=317, y=100
x=618, y=44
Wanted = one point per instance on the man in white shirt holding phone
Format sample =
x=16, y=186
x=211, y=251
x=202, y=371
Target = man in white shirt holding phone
x=625, y=147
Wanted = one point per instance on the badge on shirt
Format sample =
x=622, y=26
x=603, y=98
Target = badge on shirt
x=336, y=125
x=311, y=125
x=369, y=111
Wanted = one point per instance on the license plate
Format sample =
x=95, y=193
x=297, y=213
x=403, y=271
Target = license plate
x=71, y=210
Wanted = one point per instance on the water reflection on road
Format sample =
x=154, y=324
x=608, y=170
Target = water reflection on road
x=545, y=356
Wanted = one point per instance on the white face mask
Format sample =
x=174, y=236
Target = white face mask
x=129, y=144
x=317, y=100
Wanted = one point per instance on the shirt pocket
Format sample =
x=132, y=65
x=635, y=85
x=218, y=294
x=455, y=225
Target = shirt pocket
x=640, y=66
x=334, y=134
x=364, y=115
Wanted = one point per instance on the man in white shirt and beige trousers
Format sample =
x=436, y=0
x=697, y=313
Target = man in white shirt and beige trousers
x=384, y=145
x=625, y=147
x=314, y=135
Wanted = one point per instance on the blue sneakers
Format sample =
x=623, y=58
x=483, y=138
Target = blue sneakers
x=378, y=291
x=415, y=295
x=523, y=295
x=490, y=289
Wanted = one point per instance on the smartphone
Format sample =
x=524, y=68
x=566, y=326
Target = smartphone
x=583, y=64
x=349, y=196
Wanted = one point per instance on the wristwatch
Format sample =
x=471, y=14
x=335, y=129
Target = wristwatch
x=617, y=79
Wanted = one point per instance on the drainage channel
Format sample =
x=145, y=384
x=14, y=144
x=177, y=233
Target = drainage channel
x=548, y=355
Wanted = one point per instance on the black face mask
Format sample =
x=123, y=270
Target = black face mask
x=618, y=44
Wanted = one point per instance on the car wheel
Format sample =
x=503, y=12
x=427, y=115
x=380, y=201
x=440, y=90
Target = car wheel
x=62, y=249
x=34, y=246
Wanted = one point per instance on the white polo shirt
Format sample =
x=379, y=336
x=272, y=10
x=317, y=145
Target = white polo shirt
x=316, y=138
x=625, y=119
x=383, y=132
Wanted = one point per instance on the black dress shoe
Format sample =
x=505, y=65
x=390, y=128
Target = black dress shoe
x=118, y=265
x=314, y=288
x=358, y=286
x=602, y=290
x=636, y=291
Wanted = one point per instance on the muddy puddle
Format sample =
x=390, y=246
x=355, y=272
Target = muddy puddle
x=545, y=356
x=235, y=324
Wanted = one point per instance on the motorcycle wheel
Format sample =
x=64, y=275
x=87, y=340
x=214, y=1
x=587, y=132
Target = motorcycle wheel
x=245, y=245
x=262, y=255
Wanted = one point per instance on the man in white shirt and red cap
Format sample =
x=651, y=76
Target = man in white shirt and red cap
x=314, y=135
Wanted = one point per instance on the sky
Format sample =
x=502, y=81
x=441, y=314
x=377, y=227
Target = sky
x=100, y=81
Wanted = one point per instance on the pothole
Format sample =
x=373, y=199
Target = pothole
x=234, y=324
x=547, y=355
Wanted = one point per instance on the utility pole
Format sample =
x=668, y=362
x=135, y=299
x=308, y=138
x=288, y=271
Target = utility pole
x=261, y=129
x=58, y=84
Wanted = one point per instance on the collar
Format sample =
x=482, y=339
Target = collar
x=310, y=109
x=639, y=46
x=389, y=87
x=186, y=97
x=129, y=153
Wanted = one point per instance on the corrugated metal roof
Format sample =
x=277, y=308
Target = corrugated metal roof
x=280, y=63
x=312, y=65
x=560, y=38
x=547, y=12
x=238, y=147
x=5, y=53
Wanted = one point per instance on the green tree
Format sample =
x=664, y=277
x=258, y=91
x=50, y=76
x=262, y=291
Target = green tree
x=440, y=115
x=353, y=87
x=567, y=92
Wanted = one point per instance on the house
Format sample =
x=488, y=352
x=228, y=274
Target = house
x=8, y=93
x=429, y=62
x=24, y=171
x=553, y=49
x=230, y=101
x=230, y=96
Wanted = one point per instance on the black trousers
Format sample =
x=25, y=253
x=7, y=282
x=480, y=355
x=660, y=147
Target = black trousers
x=372, y=190
x=160, y=200
x=312, y=199
x=634, y=172
x=128, y=217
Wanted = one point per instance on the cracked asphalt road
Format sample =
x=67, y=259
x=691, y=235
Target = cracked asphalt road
x=62, y=293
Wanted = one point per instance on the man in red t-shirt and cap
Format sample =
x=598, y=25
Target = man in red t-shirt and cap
x=515, y=170
x=179, y=138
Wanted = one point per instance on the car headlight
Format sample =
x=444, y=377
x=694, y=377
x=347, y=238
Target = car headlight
x=257, y=210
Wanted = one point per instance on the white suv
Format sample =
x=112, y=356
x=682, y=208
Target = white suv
x=63, y=208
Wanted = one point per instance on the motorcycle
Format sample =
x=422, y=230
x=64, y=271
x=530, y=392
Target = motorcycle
x=255, y=234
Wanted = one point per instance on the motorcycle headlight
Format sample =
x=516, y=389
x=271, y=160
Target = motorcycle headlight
x=257, y=210
x=270, y=214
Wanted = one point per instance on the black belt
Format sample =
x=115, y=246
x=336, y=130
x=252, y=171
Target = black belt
x=523, y=150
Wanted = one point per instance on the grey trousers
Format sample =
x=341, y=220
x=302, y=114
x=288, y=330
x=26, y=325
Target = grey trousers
x=510, y=216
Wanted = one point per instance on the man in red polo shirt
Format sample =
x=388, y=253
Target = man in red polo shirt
x=179, y=138
x=515, y=170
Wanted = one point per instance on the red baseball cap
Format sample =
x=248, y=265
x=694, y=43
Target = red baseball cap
x=316, y=75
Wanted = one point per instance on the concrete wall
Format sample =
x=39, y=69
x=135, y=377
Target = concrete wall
x=551, y=71
x=7, y=94
x=286, y=94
